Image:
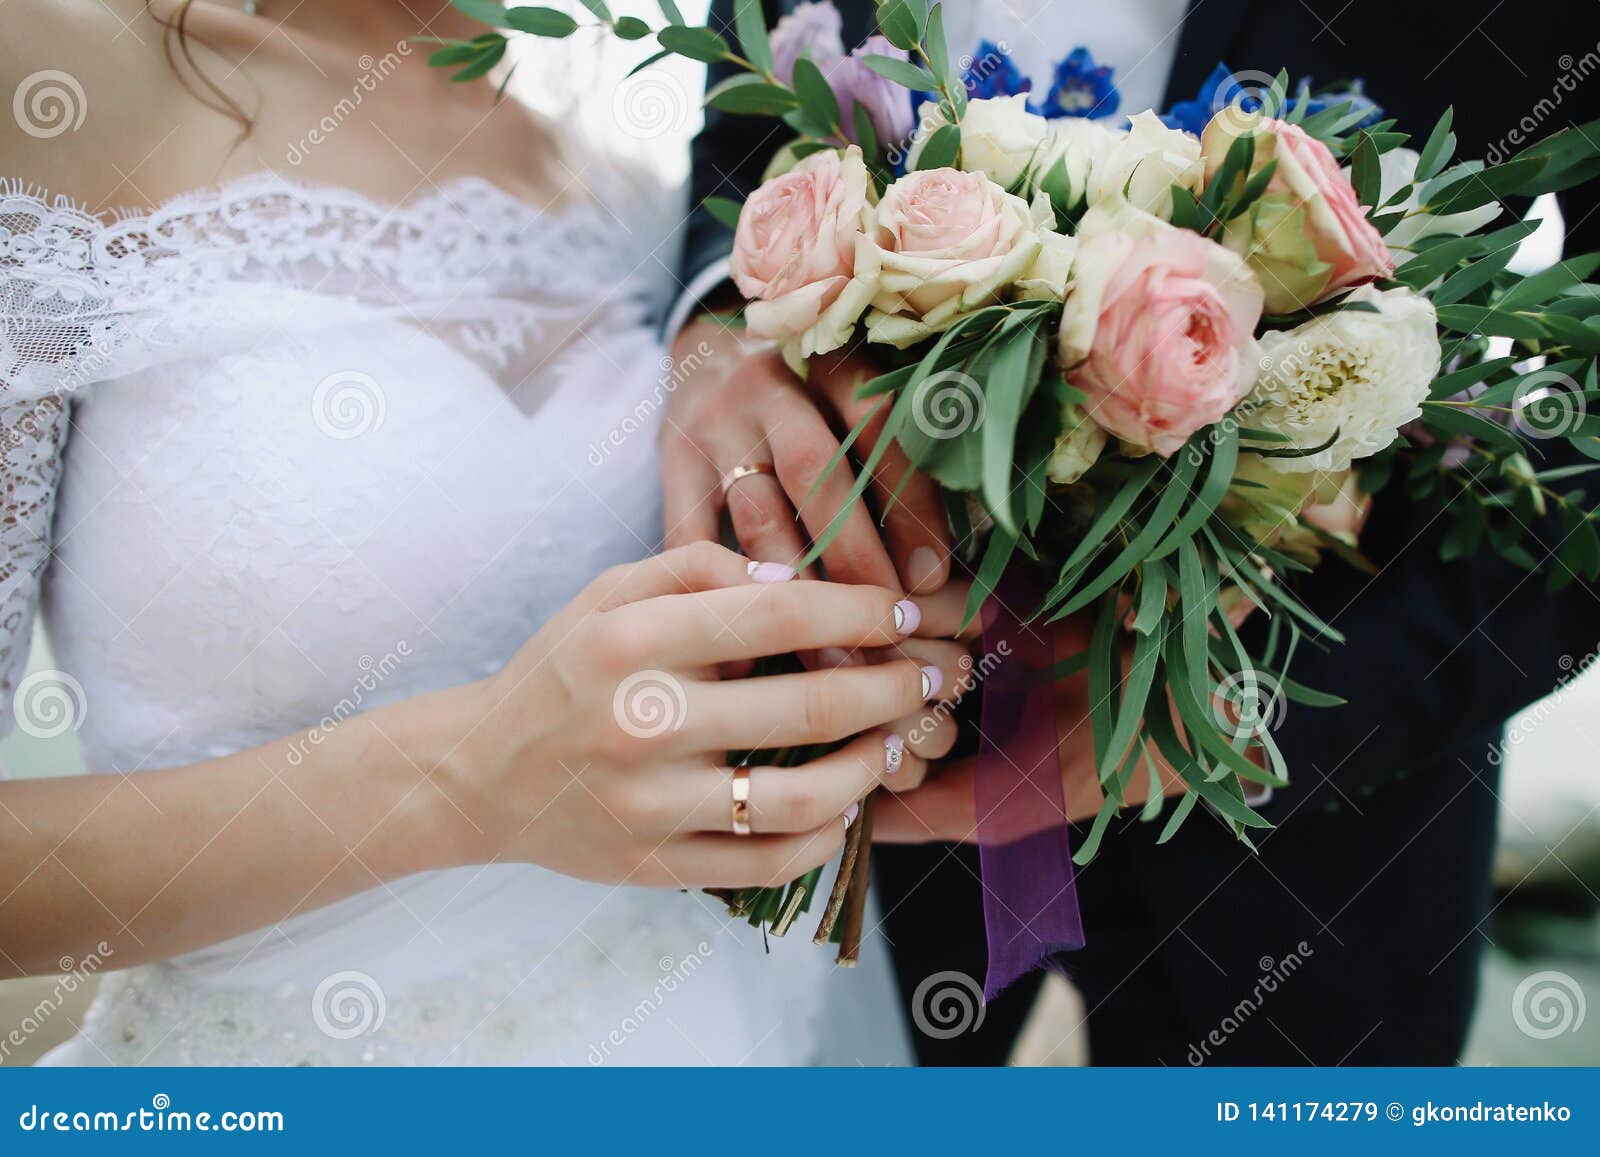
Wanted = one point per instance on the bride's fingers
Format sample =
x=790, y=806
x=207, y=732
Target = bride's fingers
x=810, y=707
x=944, y=609
x=691, y=503
x=809, y=795
x=943, y=808
x=752, y=620
x=685, y=570
x=728, y=861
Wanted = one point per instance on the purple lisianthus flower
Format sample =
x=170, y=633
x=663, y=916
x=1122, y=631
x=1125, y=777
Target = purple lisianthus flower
x=887, y=103
x=1081, y=88
x=814, y=30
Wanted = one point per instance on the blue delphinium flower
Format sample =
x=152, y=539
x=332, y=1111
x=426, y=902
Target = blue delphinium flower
x=994, y=73
x=1224, y=87
x=1081, y=88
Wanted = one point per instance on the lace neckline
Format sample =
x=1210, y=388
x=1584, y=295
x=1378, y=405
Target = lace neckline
x=439, y=197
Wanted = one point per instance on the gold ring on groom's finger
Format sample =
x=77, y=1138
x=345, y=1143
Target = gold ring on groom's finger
x=741, y=801
x=739, y=473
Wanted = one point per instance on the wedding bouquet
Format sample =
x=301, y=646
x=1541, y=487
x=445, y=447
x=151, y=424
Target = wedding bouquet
x=1164, y=365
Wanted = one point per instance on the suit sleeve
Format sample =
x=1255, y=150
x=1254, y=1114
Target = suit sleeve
x=727, y=157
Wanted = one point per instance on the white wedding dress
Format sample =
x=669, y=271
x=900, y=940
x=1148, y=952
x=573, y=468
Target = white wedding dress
x=325, y=454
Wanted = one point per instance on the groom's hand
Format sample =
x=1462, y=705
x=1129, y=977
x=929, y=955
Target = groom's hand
x=736, y=405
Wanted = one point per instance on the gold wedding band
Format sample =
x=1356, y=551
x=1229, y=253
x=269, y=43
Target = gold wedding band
x=739, y=473
x=741, y=801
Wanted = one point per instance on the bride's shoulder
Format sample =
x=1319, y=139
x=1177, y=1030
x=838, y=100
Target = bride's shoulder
x=92, y=92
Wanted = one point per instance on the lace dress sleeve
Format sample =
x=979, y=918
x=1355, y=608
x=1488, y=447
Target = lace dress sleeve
x=53, y=312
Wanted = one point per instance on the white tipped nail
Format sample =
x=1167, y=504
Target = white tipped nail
x=850, y=814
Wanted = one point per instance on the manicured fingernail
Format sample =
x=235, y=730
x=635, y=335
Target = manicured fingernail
x=923, y=567
x=770, y=572
x=932, y=680
x=850, y=814
x=907, y=616
x=894, y=750
x=835, y=657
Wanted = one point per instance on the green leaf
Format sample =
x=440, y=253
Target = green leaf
x=536, y=21
x=1152, y=596
x=1486, y=185
x=724, y=209
x=866, y=135
x=748, y=94
x=1437, y=152
x=902, y=72
x=1105, y=673
x=489, y=12
x=630, y=28
x=700, y=44
x=934, y=43
x=1364, y=173
x=1173, y=494
x=1542, y=286
x=1006, y=393
x=751, y=27
x=901, y=22
x=1179, y=814
x=669, y=9
x=598, y=7
x=649, y=60
x=817, y=101
x=1224, y=457
x=1491, y=322
x=941, y=148
x=1135, y=694
x=487, y=59
x=997, y=553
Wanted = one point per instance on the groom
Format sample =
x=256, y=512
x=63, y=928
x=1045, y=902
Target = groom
x=1354, y=935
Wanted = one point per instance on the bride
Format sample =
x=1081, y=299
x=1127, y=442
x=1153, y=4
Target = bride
x=402, y=755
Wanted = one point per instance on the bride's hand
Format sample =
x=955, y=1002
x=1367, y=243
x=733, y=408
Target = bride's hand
x=739, y=405
x=600, y=750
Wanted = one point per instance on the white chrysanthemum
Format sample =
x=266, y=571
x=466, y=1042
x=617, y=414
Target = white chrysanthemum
x=1357, y=375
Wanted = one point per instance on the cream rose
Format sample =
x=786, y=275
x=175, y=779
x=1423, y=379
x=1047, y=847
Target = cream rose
x=1141, y=166
x=1352, y=376
x=999, y=137
x=1080, y=147
x=945, y=243
x=1308, y=237
x=796, y=253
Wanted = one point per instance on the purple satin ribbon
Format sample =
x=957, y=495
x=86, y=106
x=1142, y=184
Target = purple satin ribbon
x=1030, y=900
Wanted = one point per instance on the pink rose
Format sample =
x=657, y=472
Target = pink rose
x=1310, y=193
x=794, y=253
x=946, y=243
x=1157, y=328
